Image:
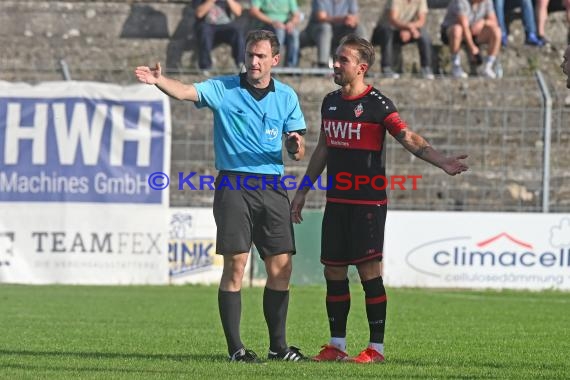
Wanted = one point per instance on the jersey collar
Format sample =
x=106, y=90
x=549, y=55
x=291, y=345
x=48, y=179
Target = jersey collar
x=364, y=93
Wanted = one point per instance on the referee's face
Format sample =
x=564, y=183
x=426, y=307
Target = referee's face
x=258, y=63
x=566, y=66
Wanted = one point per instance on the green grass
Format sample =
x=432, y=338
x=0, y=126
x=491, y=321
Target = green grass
x=65, y=332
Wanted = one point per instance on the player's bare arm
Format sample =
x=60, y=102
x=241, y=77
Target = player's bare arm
x=295, y=145
x=316, y=166
x=169, y=86
x=418, y=146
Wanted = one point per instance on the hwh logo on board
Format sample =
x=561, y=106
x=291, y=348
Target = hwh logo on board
x=75, y=124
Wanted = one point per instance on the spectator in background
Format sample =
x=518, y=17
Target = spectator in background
x=282, y=17
x=527, y=19
x=473, y=22
x=215, y=22
x=541, y=7
x=567, y=5
x=566, y=65
x=330, y=20
x=403, y=21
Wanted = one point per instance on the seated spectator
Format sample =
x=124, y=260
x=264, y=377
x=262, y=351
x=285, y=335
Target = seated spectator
x=215, y=22
x=542, y=7
x=473, y=22
x=566, y=65
x=331, y=20
x=403, y=21
x=282, y=17
x=566, y=4
x=527, y=19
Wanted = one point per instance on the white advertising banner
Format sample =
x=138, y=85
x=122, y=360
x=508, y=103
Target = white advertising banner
x=192, y=247
x=75, y=204
x=477, y=250
x=83, y=244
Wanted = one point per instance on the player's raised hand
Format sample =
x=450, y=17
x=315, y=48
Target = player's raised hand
x=454, y=165
x=147, y=74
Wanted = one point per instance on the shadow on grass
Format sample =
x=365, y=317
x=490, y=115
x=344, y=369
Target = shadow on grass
x=395, y=368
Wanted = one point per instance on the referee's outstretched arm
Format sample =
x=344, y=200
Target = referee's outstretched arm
x=169, y=86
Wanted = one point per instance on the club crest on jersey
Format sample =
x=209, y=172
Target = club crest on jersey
x=358, y=110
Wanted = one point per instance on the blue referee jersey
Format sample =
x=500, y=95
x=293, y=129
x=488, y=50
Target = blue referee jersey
x=247, y=132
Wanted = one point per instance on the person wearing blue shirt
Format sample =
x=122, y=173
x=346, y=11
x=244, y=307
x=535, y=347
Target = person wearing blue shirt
x=252, y=111
x=331, y=20
x=216, y=21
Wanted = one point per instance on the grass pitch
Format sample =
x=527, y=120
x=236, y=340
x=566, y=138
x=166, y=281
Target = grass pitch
x=70, y=332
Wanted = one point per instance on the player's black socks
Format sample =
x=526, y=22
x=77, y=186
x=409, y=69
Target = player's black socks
x=275, y=306
x=338, y=306
x=375, y=296
x=229, y=304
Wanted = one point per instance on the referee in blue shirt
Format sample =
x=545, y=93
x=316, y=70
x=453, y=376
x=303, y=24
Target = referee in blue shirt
x=252, y=111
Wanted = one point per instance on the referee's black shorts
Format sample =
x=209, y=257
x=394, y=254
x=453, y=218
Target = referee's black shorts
x=352, y=234
x=252, y=208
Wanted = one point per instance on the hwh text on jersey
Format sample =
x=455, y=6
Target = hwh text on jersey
x=342, y=129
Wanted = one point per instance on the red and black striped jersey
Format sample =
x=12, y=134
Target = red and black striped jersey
x=355, y=130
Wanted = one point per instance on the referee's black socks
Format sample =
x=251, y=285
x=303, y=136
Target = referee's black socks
x=229, y=304
x=275, y=306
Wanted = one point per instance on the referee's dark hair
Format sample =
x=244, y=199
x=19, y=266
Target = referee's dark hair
x=263, y=35
x=363, y=47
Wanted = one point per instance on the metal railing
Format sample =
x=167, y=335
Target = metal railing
x=517, y=163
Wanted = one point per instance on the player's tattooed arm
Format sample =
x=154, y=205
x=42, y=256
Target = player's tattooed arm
x=418, y=146
x=415, y=143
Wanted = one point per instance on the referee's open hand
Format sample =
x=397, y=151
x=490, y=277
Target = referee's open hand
x=147, y=74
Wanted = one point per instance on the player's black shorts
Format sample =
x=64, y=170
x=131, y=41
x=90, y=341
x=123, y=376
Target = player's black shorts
x=254, y=210
x=352, y=234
